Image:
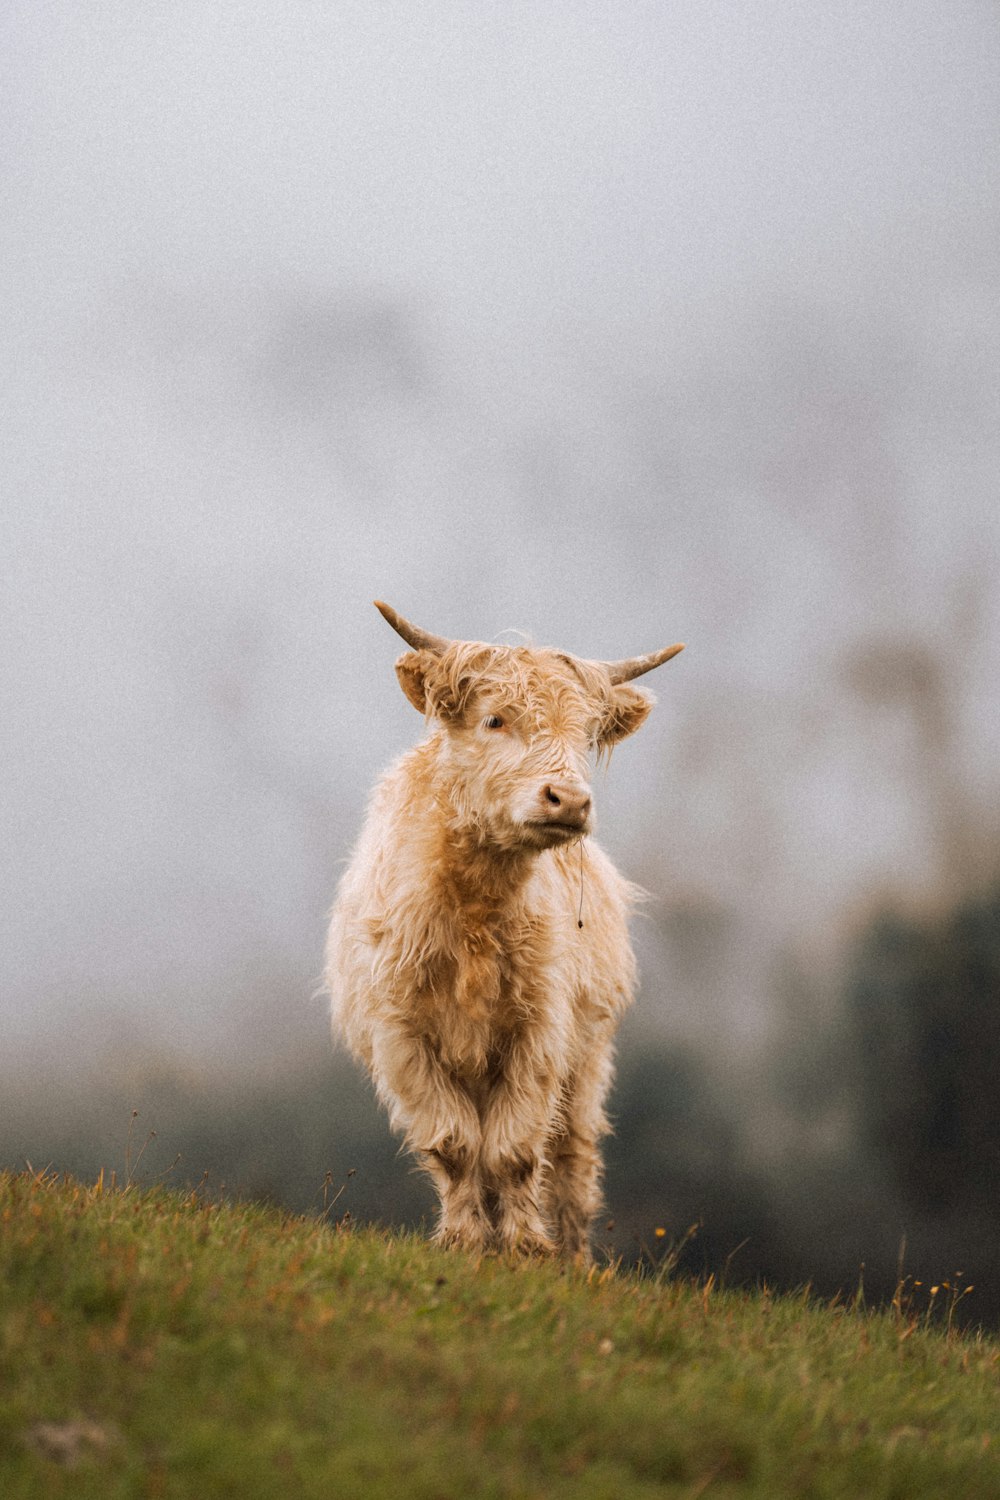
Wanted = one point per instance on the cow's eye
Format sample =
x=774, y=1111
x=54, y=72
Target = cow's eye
x=493, y=721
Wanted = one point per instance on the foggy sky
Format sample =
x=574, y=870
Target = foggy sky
x=613, y=327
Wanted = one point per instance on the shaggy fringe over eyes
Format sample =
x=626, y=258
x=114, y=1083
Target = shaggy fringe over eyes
x=505, y=676
x=470, y=667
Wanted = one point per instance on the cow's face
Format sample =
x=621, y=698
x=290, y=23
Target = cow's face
x=517, y=731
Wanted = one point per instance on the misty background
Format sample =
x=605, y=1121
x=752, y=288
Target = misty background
x=612, y=327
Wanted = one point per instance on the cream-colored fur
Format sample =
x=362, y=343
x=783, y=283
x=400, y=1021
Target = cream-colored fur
x=458, y=971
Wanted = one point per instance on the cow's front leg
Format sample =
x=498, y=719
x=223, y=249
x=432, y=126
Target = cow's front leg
x=517, y=1123
x=573, y=1187
x=517, y=1182
x=440, y=1124
x=463, y=1222
x=573, y=1192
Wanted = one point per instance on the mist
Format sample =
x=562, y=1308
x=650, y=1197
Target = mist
x=613, y=330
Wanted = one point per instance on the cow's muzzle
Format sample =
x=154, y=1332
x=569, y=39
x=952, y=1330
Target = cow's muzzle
x=563, y=806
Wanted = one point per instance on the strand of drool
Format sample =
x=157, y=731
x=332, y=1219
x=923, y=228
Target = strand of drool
x=579, y=915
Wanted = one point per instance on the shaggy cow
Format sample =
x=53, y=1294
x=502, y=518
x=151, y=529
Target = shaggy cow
x=478, y=957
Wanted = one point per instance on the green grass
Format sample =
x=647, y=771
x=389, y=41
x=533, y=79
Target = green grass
x=153, y=1344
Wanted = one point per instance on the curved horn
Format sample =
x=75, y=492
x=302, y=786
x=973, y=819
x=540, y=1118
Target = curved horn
x=420, y=640
x=634, y=666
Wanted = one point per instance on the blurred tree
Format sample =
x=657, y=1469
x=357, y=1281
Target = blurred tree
x=924, y=1012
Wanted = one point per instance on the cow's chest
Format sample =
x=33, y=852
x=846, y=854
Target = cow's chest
x=482, y=990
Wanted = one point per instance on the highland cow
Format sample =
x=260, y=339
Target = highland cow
x=478, y=957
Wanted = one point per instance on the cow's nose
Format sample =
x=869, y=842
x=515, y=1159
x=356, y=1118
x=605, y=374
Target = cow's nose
x=565, y=803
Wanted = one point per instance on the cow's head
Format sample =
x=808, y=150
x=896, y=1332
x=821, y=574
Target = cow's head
x=517, y=728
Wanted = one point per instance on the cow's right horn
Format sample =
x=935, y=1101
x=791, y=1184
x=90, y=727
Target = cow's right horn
x=635, y=666
x=420, y=640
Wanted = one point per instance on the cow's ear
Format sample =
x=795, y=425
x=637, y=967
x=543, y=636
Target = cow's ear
x=412, y=669
x=628, y=709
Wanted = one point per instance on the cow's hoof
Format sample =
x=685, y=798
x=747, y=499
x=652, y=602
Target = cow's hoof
x=530, y=1245
x=471, y=1237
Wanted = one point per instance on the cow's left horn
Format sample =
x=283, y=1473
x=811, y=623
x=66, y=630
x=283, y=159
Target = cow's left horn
x=420, y=640
x=634, y=666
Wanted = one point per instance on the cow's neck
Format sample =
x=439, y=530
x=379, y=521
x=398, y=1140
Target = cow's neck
x=481, y=880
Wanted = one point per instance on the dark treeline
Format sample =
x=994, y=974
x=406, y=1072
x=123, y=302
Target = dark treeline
x=924, y=1012
x=914, y=1061
x=911, y=1066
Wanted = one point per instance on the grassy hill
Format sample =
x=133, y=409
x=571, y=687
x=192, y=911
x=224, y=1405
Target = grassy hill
x=154, y=1344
